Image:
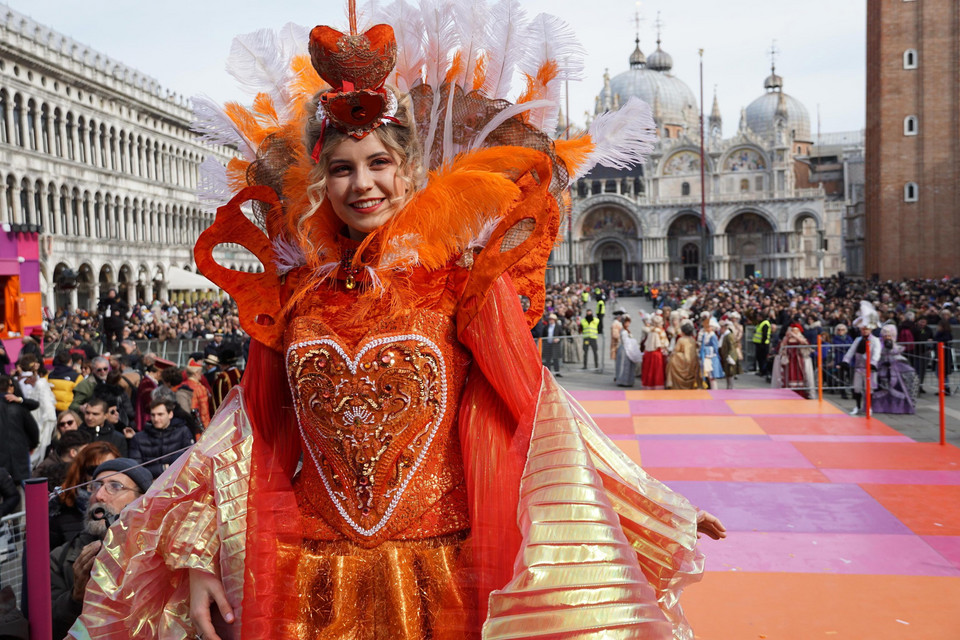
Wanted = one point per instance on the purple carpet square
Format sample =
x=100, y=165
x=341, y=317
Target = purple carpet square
x=946, y=546
x=700, y=436
x=892, y=476
x=680, y=407
x=845, y=553
x=791, y=507
x=722, y=452
x=799, y=437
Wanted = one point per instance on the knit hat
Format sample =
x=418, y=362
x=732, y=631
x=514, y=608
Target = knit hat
x=130, y=468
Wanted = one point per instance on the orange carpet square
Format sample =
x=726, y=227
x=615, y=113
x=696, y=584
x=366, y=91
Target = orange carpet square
x=722, y=425
x=820, y=425
x=885, y=455
x=929, y=510
x=774, y=407
x=669, y=394
x=726, y=474
x=606, y=407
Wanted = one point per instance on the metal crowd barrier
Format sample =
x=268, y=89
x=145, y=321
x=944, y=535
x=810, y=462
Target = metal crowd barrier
x=570, y=352
x=12, y=528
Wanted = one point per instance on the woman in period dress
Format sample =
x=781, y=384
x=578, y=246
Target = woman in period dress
x=897, y=382
x=683, y=366
x=653, y=369
x=629, y=355
x=855, y=358
x=390, y=491
x=792, y=366
x=710, y=364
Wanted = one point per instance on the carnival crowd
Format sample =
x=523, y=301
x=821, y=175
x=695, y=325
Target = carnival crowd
x=702, y=332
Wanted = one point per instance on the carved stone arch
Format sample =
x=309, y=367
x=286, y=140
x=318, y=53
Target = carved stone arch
x=797, y=219
x=608, y=220
x=682, y=161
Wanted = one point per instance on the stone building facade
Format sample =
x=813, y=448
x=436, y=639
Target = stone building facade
x=99, y=160
x=912, y=212
x=764, y=214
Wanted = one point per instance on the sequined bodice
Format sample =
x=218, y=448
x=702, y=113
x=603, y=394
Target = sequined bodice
x=378, y=422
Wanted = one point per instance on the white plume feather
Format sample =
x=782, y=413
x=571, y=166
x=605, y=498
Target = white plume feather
x=213, y=190
x=259, y=63
x=287, y=255
x=213, y=125
x=550, y=38
x=621, y=138
x=293, y=39
x=407, y=23
x=441, y=40
x=401, y=253
x=506, y=46
x=486, y=232
x=471, y=22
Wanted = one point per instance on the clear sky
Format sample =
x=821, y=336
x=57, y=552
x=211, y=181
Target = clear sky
x=822, y=43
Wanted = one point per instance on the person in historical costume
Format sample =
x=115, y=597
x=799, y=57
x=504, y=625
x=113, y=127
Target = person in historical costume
x=629, y=355
x=653, y=370
x=449, y=488
x=730, y=353
x=897, y=383
x=856, y=357
x=615, y=328
x=710, y=364
x=793, y=366
x=683, y=366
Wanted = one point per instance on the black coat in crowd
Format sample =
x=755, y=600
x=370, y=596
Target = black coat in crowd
x=165, y=444
x=19, y=436
x=108, y=434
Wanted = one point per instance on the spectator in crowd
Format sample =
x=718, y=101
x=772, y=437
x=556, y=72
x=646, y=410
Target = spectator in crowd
x=922, y=352
x=171, y=387
x=69, y=505
x=35, y=387
x=83, y=392
x=148, y=383
x=95, y=423
x=63, y=378
x=113, y=311
x=116, y=484
x=837, y=375
x=18, y=432
x=549, y=334
x=944, y=335
x=65, y=450
x=162, y=440
x=211, y=368
x=230, y=376
x=201, y=403
x=9, y=494
x=115, y=393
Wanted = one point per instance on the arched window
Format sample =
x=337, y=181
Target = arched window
x=911, y=192
x=25, y=203
x=82, y=138
x=87, y=227
x=17, y=120
x=911, y=126
x=38, y=202
x=4, y=125
x=75, y=210
x=685, y=189
x=113, y=149
x=57, y=135
x=32, y=125
x=64, y=215
x=910, y=59
x=52, y=208
x=45, y=128
x=103, y=145
x=70, y=151
x=744, y=185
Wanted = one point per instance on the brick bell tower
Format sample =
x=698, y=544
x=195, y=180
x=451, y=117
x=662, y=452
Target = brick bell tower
x=913, y=139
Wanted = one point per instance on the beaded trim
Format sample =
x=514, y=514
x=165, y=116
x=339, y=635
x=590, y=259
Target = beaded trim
x=352, y=364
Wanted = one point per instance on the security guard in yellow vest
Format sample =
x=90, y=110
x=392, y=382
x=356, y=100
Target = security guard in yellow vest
x=601, y=311
x=761, y=345
x=589, y=329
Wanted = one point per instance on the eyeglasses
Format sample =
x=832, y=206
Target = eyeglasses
x=102, y=369
x=67, y=423
x=113, y=487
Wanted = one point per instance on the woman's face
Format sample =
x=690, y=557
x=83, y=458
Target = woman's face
x=363, y=184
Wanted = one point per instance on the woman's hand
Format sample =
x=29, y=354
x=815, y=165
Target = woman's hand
x=205, y=589
x=709, y=524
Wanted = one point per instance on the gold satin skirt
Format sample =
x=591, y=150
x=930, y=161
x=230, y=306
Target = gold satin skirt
x=400, y=590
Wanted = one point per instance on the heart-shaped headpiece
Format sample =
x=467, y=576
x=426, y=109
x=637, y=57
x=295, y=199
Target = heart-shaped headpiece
x=356, y=67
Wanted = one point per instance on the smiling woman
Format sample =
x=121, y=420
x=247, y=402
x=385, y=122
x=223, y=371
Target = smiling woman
x=396, y=446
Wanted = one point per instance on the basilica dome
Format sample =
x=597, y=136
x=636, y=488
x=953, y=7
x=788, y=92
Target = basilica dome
x=763, y=112
x=672, y=101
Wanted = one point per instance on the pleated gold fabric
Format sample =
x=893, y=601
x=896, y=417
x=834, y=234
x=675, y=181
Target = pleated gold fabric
x=606, y=549
x=193, y=516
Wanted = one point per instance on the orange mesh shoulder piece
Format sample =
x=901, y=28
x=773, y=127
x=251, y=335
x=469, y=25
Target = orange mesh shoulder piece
x=521, y=244
x=258, y=295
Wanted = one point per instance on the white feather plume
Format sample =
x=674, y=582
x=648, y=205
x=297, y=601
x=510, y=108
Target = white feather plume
x=506, y=45
x=621, y=138
x=401, y=253
x=440, y=38
x=485, y=233
x=213, y=125
x=259, y=63
x=550, y=38
x=293, y=39
x=213, y=190
x=287, y=255
x=471, y=23
x=407, y=23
